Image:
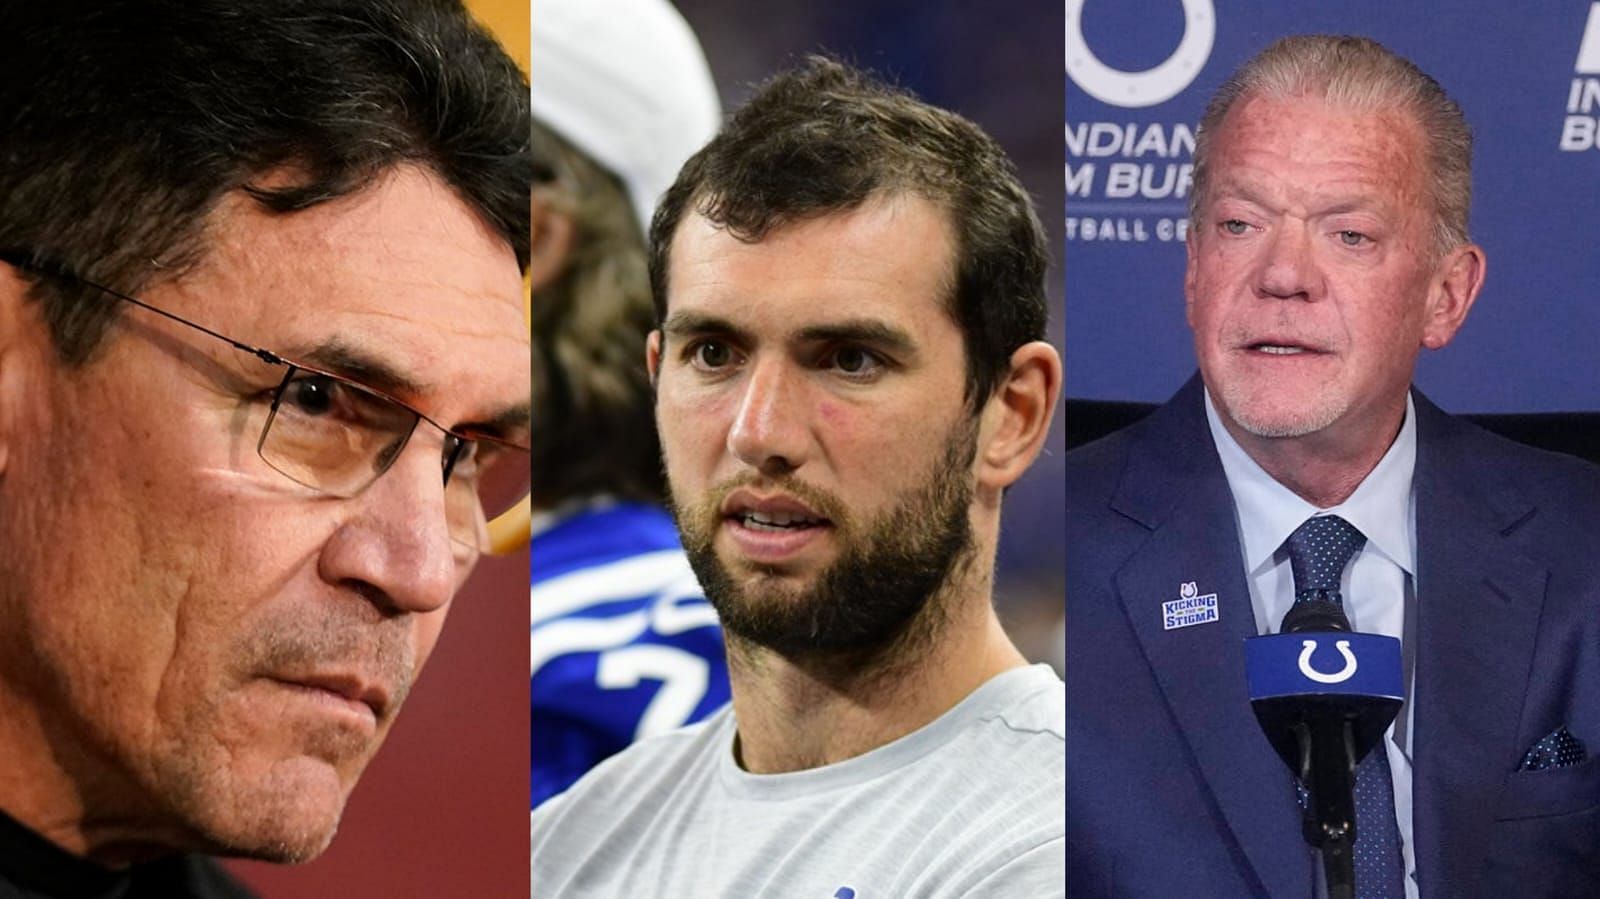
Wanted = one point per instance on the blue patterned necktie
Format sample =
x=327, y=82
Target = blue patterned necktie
x=1319, y=550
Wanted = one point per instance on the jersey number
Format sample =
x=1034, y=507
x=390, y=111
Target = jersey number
x=683, y=678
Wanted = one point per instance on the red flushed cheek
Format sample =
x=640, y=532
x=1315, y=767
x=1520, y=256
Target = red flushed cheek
x=838, y=419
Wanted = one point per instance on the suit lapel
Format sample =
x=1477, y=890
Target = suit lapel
x=1479, y=600
x=1175, y=486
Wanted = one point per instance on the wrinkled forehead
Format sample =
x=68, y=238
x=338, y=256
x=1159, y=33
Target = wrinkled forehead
x=402, y=275
x=1261, y=107
x=1332, y=147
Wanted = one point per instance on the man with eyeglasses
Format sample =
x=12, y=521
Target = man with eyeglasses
x=263, y=386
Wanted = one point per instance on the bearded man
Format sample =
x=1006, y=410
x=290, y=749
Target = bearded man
x=850, y=369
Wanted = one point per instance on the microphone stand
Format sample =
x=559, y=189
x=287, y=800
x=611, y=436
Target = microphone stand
x=1327, y=753
x=1327, y=769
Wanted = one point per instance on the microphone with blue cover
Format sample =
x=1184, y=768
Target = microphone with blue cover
x=1324, y=697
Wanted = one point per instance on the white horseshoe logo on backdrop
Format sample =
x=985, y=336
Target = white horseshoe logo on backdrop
x=1157, y=85
x=1343, y=674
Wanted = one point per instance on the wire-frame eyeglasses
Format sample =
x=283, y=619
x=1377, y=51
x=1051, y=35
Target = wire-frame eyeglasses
x=337, y=436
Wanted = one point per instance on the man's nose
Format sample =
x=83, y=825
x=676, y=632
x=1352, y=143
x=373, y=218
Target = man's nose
x=769, y=430
x=1289, y=269
x=398, y=544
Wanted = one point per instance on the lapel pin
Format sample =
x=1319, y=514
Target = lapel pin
x=1189, y=609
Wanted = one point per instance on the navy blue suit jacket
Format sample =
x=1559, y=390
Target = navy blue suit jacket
x=1172, y=788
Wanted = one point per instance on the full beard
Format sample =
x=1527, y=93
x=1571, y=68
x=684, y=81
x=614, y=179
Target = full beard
x=878, y=601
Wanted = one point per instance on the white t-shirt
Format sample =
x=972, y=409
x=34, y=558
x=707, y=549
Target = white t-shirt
x=972, y=805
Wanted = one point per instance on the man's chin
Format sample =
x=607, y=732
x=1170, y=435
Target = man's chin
x=1275, y=416
x=768, y=576
x=288, y=813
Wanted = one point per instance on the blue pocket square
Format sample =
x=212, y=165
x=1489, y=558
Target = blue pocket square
x=1556, y=750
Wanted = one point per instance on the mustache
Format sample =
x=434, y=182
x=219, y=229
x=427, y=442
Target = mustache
x=348, y=636
x=821, y=501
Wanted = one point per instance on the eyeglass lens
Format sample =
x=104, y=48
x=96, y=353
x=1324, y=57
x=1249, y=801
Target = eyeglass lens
x=337, y=437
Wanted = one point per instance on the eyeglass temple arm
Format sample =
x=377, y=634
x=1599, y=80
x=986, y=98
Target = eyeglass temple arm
x=513, y=530
x=507, y=533
x=23, y=260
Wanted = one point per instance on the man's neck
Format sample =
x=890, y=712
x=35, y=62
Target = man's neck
x=1323, y=468
x=795, y=714
x=48, y=787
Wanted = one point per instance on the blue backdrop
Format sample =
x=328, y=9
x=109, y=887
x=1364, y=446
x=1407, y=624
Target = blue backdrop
x=1138, y=73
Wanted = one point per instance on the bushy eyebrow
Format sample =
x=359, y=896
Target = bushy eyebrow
x=513, y=422
x=688, y=324
x=365, y=368
x=360, y=366
x=870, y=331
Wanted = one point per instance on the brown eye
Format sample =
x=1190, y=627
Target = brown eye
x=713, y=355
x=311, y=395
x=852, y=361
x=855, y=363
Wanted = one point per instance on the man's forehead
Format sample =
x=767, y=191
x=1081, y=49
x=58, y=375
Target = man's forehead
x=810, y=318
x=1353, y=156
x=890, y=258
x=400, y=286
x=1315, y=123
x=389, y=231
x=1355, y=192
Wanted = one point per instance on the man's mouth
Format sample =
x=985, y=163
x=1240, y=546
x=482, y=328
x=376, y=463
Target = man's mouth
x=363, y=696
x=770, y=512
x=771, y=528
x=1281, y=347
x=777, y=521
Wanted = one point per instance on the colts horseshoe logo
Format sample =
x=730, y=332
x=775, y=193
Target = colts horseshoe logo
x=1340, y=676
x=1134, y=90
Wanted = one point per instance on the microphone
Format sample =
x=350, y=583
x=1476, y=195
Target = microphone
x=1324, y=696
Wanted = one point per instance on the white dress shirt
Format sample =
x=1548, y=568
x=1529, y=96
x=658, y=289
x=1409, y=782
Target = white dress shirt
x=1379, y=586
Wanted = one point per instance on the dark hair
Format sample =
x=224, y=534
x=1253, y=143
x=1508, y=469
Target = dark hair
x=591, y=392
x=824, y=138
x=124, y=122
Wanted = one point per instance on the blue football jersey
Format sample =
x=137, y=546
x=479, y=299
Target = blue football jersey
x=623, y=644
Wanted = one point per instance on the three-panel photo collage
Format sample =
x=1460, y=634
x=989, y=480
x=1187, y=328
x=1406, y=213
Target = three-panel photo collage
x=902, y=449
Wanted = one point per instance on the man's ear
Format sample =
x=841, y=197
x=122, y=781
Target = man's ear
x=551, y=235
x=652, y=354
x=1191, y=252
x=14, y=318
x=1016, y=418
x=1452, y=293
